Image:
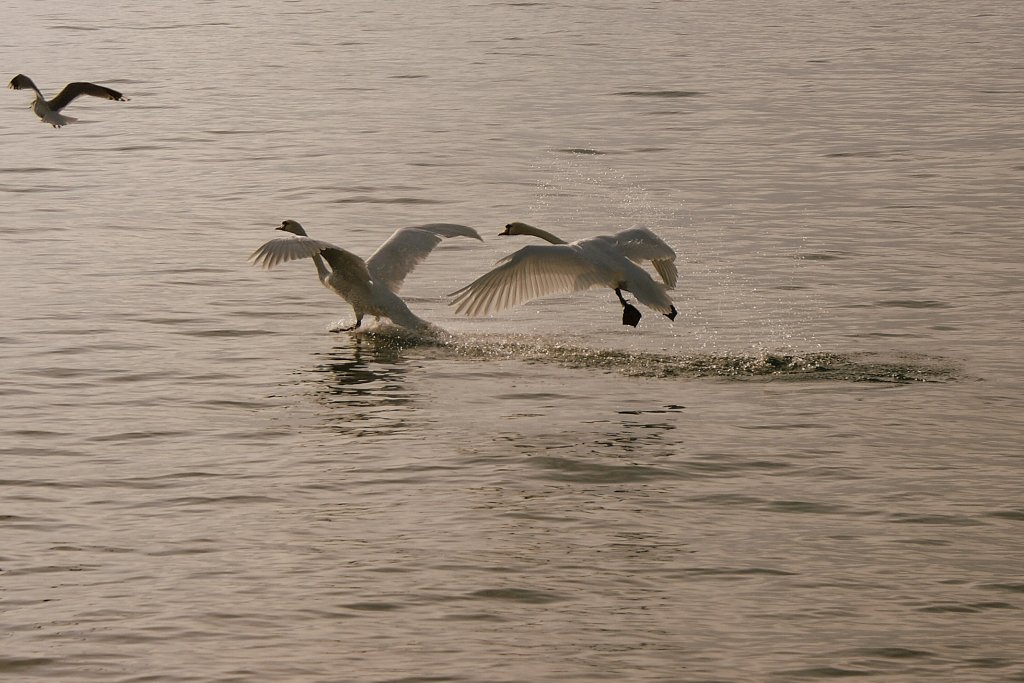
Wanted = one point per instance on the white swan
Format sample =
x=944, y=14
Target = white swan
x=49, y=110
x=371, y=286
x=603, y=261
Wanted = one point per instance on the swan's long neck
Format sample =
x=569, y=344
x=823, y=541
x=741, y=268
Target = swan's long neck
x=526, y=229
x=321, y=268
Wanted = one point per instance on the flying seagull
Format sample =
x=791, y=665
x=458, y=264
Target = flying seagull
x=49, y=110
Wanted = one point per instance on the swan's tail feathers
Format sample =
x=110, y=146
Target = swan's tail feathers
x=667, y=270
x=654, y=296
x=450, y=230
x=640, y=245
x=403, y=317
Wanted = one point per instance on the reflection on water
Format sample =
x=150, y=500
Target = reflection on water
x=622, y=447
x=363, y=383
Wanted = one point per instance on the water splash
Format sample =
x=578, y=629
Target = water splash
x=895, y=368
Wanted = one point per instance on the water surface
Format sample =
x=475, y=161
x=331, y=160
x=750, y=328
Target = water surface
x=813, y=473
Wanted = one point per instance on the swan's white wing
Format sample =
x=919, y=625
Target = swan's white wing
x=347, y=266
x=450, y=230
x=640, y=244
x=407, y=247
x=282, y=249
x=532, y=272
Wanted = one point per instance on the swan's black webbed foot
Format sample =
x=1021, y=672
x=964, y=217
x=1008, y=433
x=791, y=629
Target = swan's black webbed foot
x=630, y=315
x=672, y=315
x=359, y=321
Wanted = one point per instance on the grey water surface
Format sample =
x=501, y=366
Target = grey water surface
x=813, y=473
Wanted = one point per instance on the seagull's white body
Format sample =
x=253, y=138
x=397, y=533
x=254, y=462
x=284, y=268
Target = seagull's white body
x=49, y=111
x=370, y=286
x=603, y=261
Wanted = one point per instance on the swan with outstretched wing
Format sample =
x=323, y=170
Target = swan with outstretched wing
x=560, y=267
x=370, y=286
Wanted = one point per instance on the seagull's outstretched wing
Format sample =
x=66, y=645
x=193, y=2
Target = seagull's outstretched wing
x=532, y=272
x=640, y=244
x=21, y=82
x=73, y=90
x=407, y=247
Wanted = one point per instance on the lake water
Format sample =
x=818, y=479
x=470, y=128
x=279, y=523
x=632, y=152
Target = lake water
x=813, y=473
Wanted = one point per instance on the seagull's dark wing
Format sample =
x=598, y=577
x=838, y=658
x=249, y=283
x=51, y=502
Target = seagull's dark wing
x=20, y=82
x=73, y=90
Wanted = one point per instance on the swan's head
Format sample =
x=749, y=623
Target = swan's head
x=518, y=228
x=292, y=226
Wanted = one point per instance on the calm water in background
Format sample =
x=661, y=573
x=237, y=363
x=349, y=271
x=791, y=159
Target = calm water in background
x=201, y=483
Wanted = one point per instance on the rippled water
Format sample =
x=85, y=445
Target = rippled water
x=813, y=473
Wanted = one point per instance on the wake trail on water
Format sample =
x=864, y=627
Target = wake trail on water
x=894, y=368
